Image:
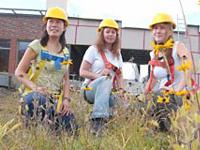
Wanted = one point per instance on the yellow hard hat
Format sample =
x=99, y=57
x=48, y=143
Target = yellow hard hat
x=162, y=18
x=108, y=23
x=56, y=12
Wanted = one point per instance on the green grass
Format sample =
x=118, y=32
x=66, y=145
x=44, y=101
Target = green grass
x=127, y=131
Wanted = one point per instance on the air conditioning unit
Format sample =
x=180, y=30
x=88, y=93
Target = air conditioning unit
x=7, y=80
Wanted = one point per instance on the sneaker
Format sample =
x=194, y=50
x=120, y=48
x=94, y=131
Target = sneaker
x=164, y=124
x=97, y=126
x=68, y=123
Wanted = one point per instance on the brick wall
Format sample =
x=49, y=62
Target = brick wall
x=14, y=28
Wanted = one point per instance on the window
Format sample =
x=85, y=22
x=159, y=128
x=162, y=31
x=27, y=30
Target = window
x=4, y=54
x=22, y=46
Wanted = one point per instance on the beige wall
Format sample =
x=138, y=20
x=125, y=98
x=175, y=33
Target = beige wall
x=85, y=30
x=132, y=38
x=82, y=31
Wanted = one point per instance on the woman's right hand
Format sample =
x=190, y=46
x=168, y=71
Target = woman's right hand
x=65, y=108
x=105, y=72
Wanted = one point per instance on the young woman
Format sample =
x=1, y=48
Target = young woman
x=44, y=73
x=166, y=56
x=101, y=66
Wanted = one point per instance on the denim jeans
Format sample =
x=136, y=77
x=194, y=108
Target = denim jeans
x=161, y=111
x=35, y=98
x=100, y=96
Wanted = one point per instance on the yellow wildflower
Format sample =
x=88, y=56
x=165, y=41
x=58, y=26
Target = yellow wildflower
x=164, y=92
x=182, y=93
x=157, y=47
x=87, y=88
x=166, y=99
x=67, y=62
x=171, y=91
x=160, y=99
x=185, y=66
x=167, y=92
x=186, y=105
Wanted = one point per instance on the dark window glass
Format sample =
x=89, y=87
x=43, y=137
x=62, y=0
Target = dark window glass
x=4, y=54
x=22, y=46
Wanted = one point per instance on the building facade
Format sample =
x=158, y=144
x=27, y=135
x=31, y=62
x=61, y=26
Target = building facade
x=19, y=27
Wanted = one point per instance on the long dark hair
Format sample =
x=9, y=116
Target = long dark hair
x=45, y=38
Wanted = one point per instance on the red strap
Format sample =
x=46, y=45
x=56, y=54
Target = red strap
x=154, y=63
x=195, y=86
x=108, y=65
x=170, y=81
x=150, y=79
x=171, y=72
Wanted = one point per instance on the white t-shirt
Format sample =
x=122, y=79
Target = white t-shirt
x=94, y=57
x=161, y=73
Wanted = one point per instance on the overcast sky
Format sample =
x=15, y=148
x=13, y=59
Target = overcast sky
x=133, y=13
x=137, y=13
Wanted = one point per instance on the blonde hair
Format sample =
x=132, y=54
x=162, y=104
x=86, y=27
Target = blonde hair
x=169, y=28
x=100, y=43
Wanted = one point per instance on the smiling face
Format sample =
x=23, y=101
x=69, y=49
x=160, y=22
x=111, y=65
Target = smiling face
x=55, y=27
x=109, y=35
x=162, y=32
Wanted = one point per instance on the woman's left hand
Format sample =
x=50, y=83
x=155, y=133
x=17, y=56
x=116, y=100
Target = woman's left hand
x=65, y=108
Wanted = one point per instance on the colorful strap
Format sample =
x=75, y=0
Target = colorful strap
x=195, y=86
x=108, y=65
x=170, y=77
x=45, y=55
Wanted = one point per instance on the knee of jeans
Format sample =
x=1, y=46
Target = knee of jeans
x=106, y=81
x=35, y=96
x=28, y=99
x=42, y=100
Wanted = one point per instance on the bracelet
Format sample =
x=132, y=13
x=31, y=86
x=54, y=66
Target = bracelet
x=67, y=98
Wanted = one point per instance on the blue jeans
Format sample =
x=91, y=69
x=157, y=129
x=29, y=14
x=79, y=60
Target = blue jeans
x=36, y=98
x=101, y=97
